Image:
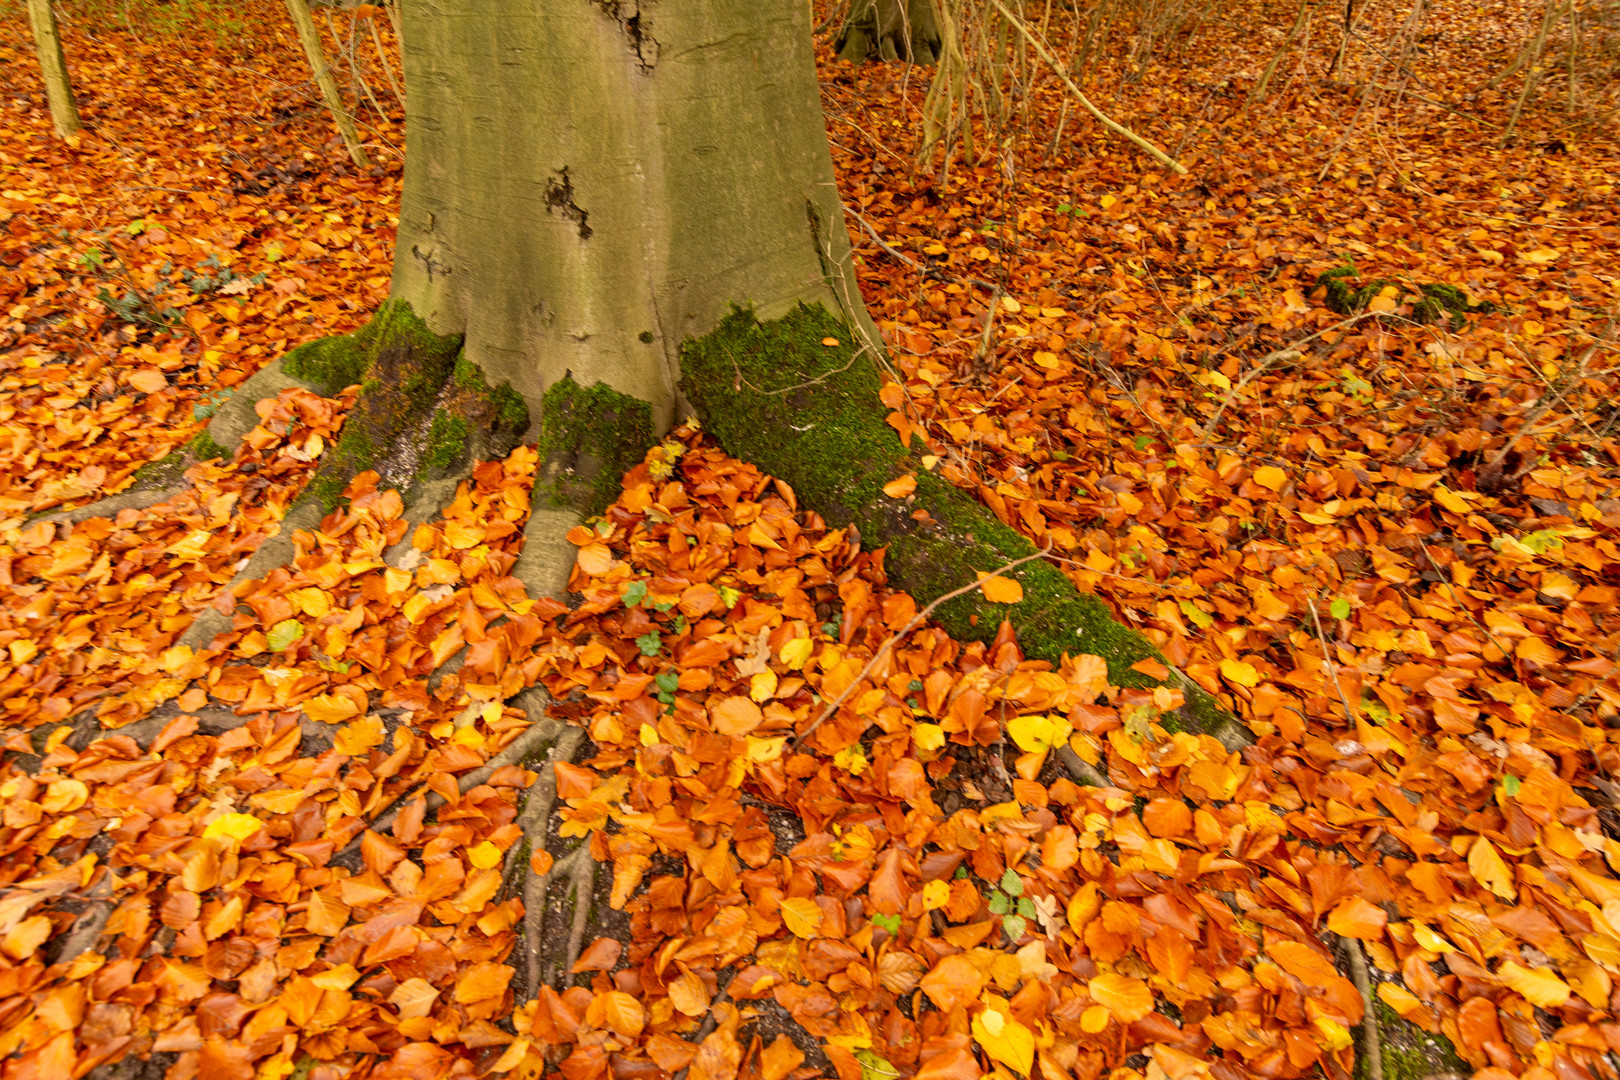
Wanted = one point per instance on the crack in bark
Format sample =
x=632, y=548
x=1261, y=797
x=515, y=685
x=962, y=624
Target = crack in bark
x=560, y=197
x=627, y=13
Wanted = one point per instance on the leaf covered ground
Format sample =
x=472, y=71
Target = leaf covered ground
x=1383, y=534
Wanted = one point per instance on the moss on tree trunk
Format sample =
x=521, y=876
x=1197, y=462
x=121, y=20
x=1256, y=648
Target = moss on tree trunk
x=808, y=413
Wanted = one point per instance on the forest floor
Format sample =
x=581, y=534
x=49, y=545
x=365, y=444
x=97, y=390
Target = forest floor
x=1382, y=531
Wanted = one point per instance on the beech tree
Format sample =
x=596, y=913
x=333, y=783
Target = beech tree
x=615, y=215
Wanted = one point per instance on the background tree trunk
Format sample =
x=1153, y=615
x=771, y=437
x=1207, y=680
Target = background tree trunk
x=58, y=87
x=890, y=30
x=588, y=185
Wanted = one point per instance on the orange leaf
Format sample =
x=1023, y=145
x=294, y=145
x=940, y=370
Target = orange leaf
x=1128, y=999
x=1000, y=590
x=1358, y=918
x=482, y=981
x=953, y=982
x=900, y=487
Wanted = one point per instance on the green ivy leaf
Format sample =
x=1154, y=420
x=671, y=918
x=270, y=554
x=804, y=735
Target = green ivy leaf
x=635, y=593
x=649, y=643
x=668, y=682
x=891, y=923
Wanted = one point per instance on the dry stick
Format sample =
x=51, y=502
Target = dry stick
x=1370, y=1049
x=316, y=55
x=388, y=68
x=1544, y=406
x=706, y=1028
x=887, y=250
x=1117, y=128
x=1333, y=666
x=514, y=752
x=916, y=621
x=1292, y=353
x=1532, y=77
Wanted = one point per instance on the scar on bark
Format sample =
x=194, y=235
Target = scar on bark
x=627, y=13
x=560, y=197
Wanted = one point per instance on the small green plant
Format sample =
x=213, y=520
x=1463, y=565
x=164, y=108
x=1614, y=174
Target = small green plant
x=1008, y=901
x=649, y=643
x=667, y=683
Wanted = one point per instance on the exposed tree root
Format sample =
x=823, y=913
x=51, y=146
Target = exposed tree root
x=808, y=413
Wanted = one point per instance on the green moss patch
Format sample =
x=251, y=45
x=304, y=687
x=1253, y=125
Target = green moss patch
x=589, y=438
x=447, y=440
x=1432, y=301
x=775, y=395
x=1407, y=1052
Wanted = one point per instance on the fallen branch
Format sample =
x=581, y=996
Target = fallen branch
x=1371, y=1051
x=1112, y=125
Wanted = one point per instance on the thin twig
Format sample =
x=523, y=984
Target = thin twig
x=887, y=250
x=916, y=621
x=710, y=1022
x=1333, y=667
x=1112, y=125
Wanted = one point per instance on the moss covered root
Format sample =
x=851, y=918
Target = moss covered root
x=589, y=438
x=424, y=410
x=1407, y=1052
x=775, y=395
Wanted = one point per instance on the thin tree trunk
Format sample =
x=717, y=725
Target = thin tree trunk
x=58, y=87
x=311, y=39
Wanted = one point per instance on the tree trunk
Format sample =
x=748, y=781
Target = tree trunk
x=58, y=87
x=606, y=180
x=890, y=30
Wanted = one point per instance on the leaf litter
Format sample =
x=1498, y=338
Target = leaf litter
x=1319, y=517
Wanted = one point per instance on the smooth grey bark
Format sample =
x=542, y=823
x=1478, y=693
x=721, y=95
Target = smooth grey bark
x=591, y=182
x=53, y=66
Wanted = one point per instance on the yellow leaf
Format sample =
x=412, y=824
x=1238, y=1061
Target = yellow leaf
x=1331, y=1034
x=928, y=737
x=331, y=708
x=1000, y=590
x=762, y=687
x=936, y=894
x=1095, y=1019
x=1269, y=476
x=794, y=653
x=359, y=737
x=1236, y=671
x=900, y=487
x=1488, y=868
x=236, y=827
x=485, y=856
x=313, y=602
x=1539, y=986
x=801, y=916
x=1540, y=256
x=1036, y=734
x=1005, y=1040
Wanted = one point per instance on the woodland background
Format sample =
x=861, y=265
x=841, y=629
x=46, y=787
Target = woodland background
x=1332, y=418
